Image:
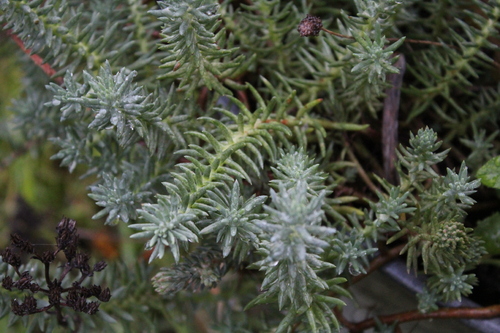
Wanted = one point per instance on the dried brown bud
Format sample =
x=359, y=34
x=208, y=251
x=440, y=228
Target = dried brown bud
x=92, y=291
x=30, y=303
x=81, y=262
x=67, y=237
x=105, y=295
x=66, y=225
x=310, y=26
x=7, y=283
x=34, y=287
x=17, y=309
x=27, y=307
x=47, y=257
x=21, y=244
x=79, y=303
x=11, y=258
x=24, y=281
x=74, y=297
x=55, y=291
x=100, y=266
x=92, y=308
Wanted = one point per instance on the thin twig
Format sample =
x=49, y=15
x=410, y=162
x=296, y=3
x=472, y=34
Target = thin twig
x=360, y=169
x=407, y=40
x=390, y=120
x=413, y=41
x=444, y=313
x=47, y=69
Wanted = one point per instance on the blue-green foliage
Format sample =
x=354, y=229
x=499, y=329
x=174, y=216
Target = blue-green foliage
x=116, y=101
x=351, y=249
x=292, y=242
x=389, y=209
x=432, y=218
x=452, y=284
x=233, y=220
x=420, y=156
x=294, y=167
x=375, y=58
x=118, y=201
x=167, y=224
x=224, y=154
x=69, y=34
x=190, y=40
x=223, y=185
x=203, y=268
x=456, y=65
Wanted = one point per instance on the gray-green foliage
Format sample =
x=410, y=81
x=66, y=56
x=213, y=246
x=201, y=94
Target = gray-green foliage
x=194, y=49
x=233, y=221
x=193, y=273
x=115, y=196
x=351, y=248
x=189, y=113
x=434, y=218
x=292, y=244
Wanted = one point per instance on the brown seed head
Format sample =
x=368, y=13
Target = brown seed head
x=21, y=244
x=310, y=26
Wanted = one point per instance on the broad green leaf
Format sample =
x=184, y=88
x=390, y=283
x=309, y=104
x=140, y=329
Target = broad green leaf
x=490, y=173
x=489, y=231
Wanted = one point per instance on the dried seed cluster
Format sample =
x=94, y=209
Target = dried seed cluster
x=74, y=297
x=310, y=26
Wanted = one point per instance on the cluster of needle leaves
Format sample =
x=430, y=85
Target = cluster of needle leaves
x=239, y=142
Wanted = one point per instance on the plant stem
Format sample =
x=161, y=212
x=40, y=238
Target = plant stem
x=47, y=69
x=412, y=41
x=444, y=313
x=360, y=169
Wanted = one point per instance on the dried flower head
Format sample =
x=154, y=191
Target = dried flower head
x=74, y=297
x=22, y=244
x=310, y=26
x=100, y=266
x=46, y=257
x=8, y=283
x=11, y=258
x=67, y=238
x=29, y=306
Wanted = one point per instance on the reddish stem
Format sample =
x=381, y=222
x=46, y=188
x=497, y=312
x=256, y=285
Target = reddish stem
x=242, y=96
x=470, y=313
x=47, y=69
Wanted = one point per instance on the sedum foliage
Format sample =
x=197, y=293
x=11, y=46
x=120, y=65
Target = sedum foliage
x=193, y=48
x=228, y=144
x=292, y=245
x=431, y=218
